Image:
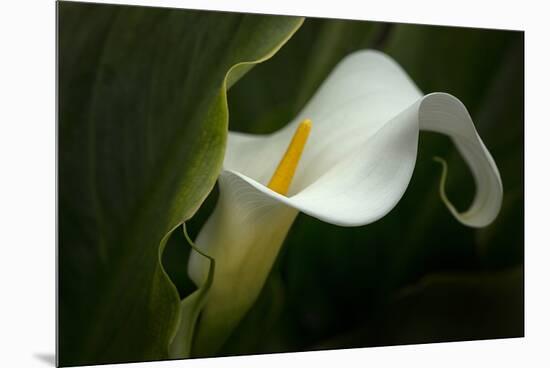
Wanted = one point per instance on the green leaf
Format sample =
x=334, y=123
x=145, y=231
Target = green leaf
x=190, y=308
x=142, y=128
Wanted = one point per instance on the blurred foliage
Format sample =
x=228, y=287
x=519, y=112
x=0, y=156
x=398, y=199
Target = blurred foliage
x=416, y=275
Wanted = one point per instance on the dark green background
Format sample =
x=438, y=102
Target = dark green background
x=415, y=276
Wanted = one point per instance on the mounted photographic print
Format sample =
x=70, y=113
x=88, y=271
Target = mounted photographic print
x=235, y=184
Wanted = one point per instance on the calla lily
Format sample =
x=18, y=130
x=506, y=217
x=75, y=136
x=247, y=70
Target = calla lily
x=356, y=165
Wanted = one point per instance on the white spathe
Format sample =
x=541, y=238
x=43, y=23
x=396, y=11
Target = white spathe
x=357, y=163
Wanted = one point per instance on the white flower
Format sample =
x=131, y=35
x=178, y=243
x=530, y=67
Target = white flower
x=354, y=169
